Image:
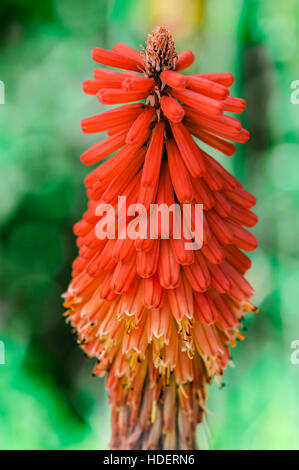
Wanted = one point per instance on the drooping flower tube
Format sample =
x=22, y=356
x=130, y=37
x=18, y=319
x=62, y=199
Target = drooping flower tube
x=158, y=317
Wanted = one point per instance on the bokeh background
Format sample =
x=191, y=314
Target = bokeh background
x=48, y=398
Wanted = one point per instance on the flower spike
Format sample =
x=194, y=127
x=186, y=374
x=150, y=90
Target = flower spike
x=159, y=317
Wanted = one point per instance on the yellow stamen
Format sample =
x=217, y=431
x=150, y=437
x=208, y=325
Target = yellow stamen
x=131, y=324
x=181, y=387
x=239, y=335
x=154, y=412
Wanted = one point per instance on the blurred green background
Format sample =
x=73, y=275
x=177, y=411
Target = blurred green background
x=48, y=399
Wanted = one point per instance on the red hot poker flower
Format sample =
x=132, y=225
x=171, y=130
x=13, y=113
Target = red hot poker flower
x=158, y=317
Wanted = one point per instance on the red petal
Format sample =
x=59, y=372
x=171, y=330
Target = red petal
x=174, y=79
x=202, y=103
x=213, y=251
x=169, y=269
x=101, y=122
x=221, y=145
x=140, y=126
x=129, y=52
x=115, y=96
x=114, y=59
x=152, y=163
x=205, y=309
x=241, y=197
x=138, y=83
x=242, y=238
x=147, y=262
x=184, y=60
x=224, y=78
x=234, y=105
x=237, y=258
x=153, y=292
x=190, y=151
x=172, y=109
x=219, y=227
x=179, y=174
x=198, y=276
x=123, y=276
x=207, y=87
x=103, y=149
